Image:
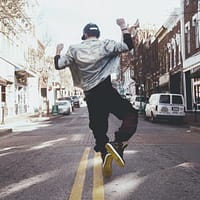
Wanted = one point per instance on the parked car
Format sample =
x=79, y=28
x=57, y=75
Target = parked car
x=64, y=107
x=123, y=96
x=127, y=97
x=70, y=99
x=165, y=106
x=76, y=101
x=138, y=102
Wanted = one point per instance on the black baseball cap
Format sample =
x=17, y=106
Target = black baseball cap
x=92, y=30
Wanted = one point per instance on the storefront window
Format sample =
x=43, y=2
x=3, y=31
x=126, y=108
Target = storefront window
x=197, y=93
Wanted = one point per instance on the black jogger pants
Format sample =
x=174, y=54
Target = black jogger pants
x=102, y=100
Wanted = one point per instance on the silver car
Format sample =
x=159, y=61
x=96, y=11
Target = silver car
x=138, y=102
x=64, y=107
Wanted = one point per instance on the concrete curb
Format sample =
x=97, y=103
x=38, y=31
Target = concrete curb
x=44, y=118
x=195, y=129
x=5, y=131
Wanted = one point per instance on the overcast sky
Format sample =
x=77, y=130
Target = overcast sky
x=63, y=20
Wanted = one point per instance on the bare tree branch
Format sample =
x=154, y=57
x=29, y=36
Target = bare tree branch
x=11, y=9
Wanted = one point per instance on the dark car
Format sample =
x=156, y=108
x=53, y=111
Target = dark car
x=76, y=101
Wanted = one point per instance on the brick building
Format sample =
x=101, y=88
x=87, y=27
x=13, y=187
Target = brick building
x=191, y=52
x=169, y=61
x=169, y=55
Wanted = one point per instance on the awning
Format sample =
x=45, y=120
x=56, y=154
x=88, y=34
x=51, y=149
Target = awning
x=4, y=82
x=195, y=73
x=24, y=72
x=164, y=79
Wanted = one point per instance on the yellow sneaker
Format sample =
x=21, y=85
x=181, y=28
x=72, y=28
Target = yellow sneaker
x=116, y=156
x=107, y=165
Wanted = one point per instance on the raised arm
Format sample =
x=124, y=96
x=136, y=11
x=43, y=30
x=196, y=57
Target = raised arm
x=126, y=34
x=59, y=48
x=63, y=61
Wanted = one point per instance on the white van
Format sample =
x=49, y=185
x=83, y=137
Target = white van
x=165, y=106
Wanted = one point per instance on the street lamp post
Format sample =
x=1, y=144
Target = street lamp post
x=140, y=91
x=140, y=94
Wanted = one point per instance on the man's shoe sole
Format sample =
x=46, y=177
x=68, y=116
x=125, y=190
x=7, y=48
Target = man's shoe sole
x=114, y=154
x=107, y=165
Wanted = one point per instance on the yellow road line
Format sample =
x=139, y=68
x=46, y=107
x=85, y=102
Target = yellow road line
x=98, y=185
x=77, y=188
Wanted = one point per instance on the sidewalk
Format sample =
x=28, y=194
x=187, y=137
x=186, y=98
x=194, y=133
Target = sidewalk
x=10, y=123
x=193, y=120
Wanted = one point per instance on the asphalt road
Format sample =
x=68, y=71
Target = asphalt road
x=54, y=160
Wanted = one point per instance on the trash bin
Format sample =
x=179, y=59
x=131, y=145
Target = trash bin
x=55, y=110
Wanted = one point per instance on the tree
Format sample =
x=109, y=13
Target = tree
x=10, y=12
x=11, y=9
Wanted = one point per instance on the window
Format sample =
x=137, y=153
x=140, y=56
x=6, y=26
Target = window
x=174, y=51
x=187, y=34
x=197, y=93
x=62, y=103
x=176, y=99
x=164, y=99
x=170, y=55
x=141, y=98
x=195, y=24
x=178, y=41
x=166, y=61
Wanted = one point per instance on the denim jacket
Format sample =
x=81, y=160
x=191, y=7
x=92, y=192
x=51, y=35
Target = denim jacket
x=91, y=61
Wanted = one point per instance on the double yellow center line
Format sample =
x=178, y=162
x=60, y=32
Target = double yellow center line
x=98, y=187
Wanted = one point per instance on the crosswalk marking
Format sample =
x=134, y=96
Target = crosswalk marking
x=98, y=187
x=76, y=193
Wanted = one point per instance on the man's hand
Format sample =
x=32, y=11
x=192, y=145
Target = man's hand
x=121, y=23
x=59, y=48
